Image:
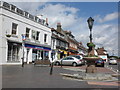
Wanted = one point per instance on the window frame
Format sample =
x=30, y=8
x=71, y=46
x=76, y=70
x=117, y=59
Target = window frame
x=14, y=28
x=45, y=38
x=27, y=33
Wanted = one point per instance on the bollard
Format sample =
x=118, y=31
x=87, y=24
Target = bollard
x=51, y=69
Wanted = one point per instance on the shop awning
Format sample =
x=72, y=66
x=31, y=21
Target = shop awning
x=65, y=52
x=37, y=47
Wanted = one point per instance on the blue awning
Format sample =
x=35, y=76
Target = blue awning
x=37, y=47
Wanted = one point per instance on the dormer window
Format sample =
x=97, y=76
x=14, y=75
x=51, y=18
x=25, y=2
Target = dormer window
x=13, y=7
x=6, y=5
x=26, y=14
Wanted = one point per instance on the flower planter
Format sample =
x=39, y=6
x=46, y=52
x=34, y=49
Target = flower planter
x=91, y=64
x=8, y=35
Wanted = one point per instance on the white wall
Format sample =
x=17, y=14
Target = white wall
x=6, y=20
x=103, y=57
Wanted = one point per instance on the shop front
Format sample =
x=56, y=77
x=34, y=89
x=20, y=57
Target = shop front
x=37, y=53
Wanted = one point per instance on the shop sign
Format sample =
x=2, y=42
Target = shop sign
x=37, y=47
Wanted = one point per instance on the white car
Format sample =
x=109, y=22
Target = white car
x=69, y=61
x=112, y=61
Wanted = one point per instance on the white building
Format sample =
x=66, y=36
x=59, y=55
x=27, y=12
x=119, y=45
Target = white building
x=15, y=22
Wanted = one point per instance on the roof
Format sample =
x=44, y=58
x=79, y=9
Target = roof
x=101, y=51
x=56, y=36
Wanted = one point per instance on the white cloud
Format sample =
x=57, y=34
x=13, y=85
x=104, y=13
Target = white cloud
x=103, y=34
x=109, y=17
x=59, y=13
x=31, y=7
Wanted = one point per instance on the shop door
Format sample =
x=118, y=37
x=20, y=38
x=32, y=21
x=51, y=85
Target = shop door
x=34, y=55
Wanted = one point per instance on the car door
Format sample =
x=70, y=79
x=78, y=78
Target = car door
x=67, y=61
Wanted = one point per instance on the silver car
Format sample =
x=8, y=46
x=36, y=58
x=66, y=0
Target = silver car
x=80, y=58
x=112, y=61
x=69, y=61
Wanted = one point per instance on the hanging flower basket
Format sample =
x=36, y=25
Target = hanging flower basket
x=90, y=44
x=8, y=35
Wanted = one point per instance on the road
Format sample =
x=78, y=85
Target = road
x=115, y=68
x=15, y=76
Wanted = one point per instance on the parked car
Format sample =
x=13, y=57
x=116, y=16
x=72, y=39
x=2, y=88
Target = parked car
x=69, y=61
x=80, y=58
x=99, y=62
x=112, y=61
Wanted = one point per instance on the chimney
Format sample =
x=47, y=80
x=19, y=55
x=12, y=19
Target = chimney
x=47, y=21
x=59, y=27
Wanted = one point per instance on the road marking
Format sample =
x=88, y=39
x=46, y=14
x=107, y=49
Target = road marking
x=110, y=68
x=104, y=83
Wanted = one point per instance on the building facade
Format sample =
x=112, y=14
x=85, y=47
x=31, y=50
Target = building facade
x=73, y=44
x=102, y=53
x=22, y=35
x=81, y=49
x=59, y=43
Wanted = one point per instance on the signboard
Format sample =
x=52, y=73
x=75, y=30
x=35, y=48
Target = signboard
x=37, y=47
x=23, y=37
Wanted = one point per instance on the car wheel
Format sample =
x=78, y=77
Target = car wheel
x=95, y=65
x=74, y=64
x=57, y=63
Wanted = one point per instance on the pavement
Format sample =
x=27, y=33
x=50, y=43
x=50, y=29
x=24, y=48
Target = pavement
x=15, y=76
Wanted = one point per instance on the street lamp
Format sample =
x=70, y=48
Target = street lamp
x=90, y=25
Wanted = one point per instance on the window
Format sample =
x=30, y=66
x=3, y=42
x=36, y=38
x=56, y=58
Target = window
x=45, y=37
x=35, y=35
x=26, y=14
x=31, y=16
x=13, y=7
x=6, y=5
x=68, y=58
x=27, y=32
x=19, y=11
x=14, y=28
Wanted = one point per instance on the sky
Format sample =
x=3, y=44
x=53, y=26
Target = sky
x=73, y=17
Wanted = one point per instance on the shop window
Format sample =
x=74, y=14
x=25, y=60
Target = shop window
x=13, y=52
x=14, y=28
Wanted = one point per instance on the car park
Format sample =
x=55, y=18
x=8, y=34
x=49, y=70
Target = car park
x=99, y=62
x=112, y=61
x=69, y=60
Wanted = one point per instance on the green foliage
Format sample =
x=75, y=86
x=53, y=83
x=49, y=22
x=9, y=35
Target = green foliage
x=8, y=35
x=90, y=44
x=90, y=56
x=116, y=57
